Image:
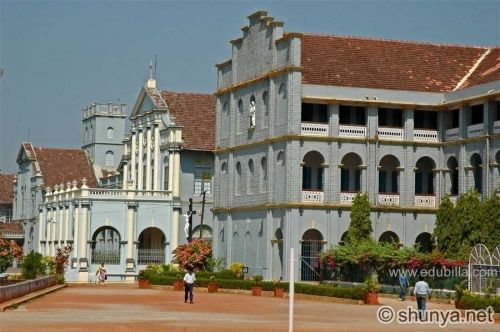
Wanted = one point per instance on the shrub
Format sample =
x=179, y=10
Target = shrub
x=60, y=279
x=237, y=269
x=50, y=264
x=470, y=301
x=62, y=258
x=32, y=265
x=258, y=278
x=193, y=256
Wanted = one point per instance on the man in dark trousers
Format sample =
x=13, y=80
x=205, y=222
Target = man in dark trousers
x=403, y=284
x=189, y=279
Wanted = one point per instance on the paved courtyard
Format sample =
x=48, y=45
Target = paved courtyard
x=124, y=307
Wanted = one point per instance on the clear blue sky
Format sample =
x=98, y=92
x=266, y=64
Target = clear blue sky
x=61, y=56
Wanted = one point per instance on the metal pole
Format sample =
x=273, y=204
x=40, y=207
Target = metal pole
x=202, y=212
x=190, y=233
x=291, y=291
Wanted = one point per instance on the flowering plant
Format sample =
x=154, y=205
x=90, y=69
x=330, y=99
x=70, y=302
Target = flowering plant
x=9, y=250
x=277, y=283
x=193, y=256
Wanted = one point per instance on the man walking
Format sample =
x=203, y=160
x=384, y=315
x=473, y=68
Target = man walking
x=421, y=291
x=189, y=279
x=403, y=284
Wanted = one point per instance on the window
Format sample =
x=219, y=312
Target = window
x=263, y=176
x=110, y=158
x=165, y=173
x=111, y=133
x=252, y=112
x=237, y=180
x=239, y=116
x=250, y=176
x=281, y=158
x=265, y=109
x=203, y=180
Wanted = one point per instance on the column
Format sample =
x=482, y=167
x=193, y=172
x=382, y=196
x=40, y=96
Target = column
x=130, y=262
x=53, y=233
x=157, y=180
x=174, y=239
x=76, y=235
x=139, y=160
x=176, y=174
x=48, y=232
x=125, y=176
x=133, y=161
x=83, y=238
x=41, y=224
x=170, y=170
x=61, y=225
x=66, y=225
x=148, y=158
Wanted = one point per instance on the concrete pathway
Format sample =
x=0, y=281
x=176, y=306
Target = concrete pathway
x=124, y=307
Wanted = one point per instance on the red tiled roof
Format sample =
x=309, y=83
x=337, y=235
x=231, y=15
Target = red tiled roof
x=487, y=71
x=11, y=227
x=196, y=113
x=65, y=165
x=6, y=193
x=385, y=64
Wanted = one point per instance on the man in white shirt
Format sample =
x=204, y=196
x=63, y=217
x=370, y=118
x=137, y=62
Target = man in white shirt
x=189, y=279
x=421, y=291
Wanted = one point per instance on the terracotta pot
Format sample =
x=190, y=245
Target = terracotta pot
x=212, y=287
x=143, y=283
x=256, y=291
x=371, y=298
x=178, y=285
x=279, y=292
x=459, y=305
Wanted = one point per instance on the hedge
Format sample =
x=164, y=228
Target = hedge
x=469, y=301
x=225, y=274
x=355, y=293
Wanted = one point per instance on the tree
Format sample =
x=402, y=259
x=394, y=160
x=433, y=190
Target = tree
x=360, y=227
x=443, y=229
x=490, y=227
x=9, y=250
x=468, y=220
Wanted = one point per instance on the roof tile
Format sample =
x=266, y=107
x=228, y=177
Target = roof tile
x=6, y=189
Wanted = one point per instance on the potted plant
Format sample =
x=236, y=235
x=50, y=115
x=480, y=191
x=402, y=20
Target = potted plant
x=143, y=281
x=371, y=289
x=278, y=290
x=257, y=289
x=212, y=286
x=178, y=282
x=460, y=291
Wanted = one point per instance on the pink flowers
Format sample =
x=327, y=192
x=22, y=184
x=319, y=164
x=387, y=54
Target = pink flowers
x=9, y=250
x=194, y=255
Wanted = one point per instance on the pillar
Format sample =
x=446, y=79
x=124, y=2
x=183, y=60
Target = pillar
x=176, y=174
x=130, y=262
x=83, y=239
x=133, y=161
x=174, y=241
x=156, y=165
x=148, y=158
x=139, y=160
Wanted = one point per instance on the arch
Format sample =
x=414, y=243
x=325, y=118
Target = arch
x=263, y=174
x=106, y=246
x=312, y=245
x=312, y=171
x=350, y=173
x=237, y=182
x=110, y=133
x=424, y=242
x=282, y=90
x=424, y=176
x=388, y=175
x=151, y=246
x=206, y=233
x=239, y=116
x=452, y=165
x=110, y=158
x=388, y=236
x=477, y=171
x=223, y=168
x=280, y=160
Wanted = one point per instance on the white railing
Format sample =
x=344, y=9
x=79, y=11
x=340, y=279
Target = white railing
x=5, y=219
x=347, y=198
x=352, y=131
x=389, y=133
x=388, y=199
x=314, y=129
x=311, y=196
x=425, y=200
x=425, y=135
x=452, y=134
x=122, y=193
x=496, y=127
x=150, y=256
x=475, y=130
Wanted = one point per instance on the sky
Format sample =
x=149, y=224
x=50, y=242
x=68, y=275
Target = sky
x=60, y=56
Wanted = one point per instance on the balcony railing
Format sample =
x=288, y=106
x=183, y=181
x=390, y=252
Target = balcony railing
x=388, y=199
x=452, y=134
x=347, y=197
x=475, y=130
x=352, y=131
x=496, y=127
x=314, y=129
x=389, y=133
x=425, y=200
x=425, y=135
x=312, y=196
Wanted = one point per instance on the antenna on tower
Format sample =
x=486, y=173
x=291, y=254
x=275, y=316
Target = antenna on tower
x=150, y=70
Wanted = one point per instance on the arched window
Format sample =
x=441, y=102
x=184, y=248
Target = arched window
x=350, y=173
x=252, y=112
x=110, y=158
x=477, y=172
x=225, y=120
x=263, y=174
x=280, y=158
x=106, y=246
x=424, y=176
x=312, y=171
x=111, y=133
x=250, y=176
x=237, y=180
x=239, y=116
x=388, y=175
x=265, y=109
x=223, y=169
x=453, y=175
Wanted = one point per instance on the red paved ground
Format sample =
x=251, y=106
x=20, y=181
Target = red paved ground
x=124, y=307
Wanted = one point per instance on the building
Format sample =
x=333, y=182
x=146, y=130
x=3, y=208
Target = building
x=306, y=121
x=6, y=197
x=65, y=199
